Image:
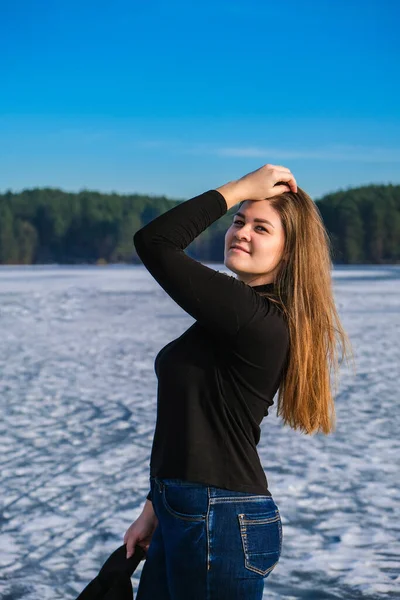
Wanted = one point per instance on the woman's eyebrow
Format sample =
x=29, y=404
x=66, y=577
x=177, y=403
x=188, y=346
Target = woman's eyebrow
x=239, y=214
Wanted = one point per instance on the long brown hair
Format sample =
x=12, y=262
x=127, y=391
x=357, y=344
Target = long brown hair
x=303, y=289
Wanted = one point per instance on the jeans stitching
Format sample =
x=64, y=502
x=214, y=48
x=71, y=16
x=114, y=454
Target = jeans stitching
x=238, y=499
x=251, y=568
x=177, y=515
x=260, y=521
x=280, y=536
x=243, y=534
x=208, y=529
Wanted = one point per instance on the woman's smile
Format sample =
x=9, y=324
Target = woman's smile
x=240, y=250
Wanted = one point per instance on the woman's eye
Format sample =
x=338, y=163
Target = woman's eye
x=239, y=222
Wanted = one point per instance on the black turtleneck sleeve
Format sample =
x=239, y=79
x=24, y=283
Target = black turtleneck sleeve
x=216, y=300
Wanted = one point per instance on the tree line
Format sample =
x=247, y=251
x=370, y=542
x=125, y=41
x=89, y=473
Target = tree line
x=48, y=225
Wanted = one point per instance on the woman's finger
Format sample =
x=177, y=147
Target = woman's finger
x=129, y=548
x=285, y=174
x=281, y=189
x=287, y=178
x=145, y=547
x=282, y=168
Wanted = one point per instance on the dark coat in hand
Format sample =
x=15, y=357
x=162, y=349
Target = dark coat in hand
x=113, y=581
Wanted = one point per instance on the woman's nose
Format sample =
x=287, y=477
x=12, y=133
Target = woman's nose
x=243, y=234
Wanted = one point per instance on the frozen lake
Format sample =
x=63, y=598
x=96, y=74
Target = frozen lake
x=78, y=399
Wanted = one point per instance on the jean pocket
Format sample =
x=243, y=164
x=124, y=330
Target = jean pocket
x=186, y=503
x=261, y=535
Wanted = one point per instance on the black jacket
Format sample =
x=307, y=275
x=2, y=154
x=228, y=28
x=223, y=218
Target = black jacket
x=113, y=581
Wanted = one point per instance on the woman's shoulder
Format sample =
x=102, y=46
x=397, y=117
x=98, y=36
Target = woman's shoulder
x=268, y=321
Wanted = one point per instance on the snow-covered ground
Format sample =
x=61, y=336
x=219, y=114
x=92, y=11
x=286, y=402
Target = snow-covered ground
x=78, y=399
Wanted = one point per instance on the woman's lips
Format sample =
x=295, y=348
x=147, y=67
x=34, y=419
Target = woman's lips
x=240, y=250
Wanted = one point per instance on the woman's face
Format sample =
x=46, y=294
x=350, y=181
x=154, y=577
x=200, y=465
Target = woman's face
x=263, y=241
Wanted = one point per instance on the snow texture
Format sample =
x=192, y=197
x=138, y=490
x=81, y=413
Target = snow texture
x=78, y=400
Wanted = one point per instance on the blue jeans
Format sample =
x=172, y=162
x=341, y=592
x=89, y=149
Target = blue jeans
x=210, y=543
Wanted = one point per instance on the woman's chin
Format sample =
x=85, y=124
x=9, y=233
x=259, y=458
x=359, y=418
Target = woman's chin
x=232, y=265
x=235, y=258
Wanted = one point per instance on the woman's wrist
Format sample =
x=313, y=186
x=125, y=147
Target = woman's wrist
x=233, y=192
x=148, y=509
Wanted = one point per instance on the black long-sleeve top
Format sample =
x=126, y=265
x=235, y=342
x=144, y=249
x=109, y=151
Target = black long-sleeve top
x=217, y=380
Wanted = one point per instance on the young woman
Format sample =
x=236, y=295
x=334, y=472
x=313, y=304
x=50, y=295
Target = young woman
x=210, y=527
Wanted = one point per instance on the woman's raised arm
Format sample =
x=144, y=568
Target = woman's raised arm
x=216, y=300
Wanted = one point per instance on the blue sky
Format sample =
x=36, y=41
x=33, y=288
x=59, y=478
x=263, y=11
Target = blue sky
x=179, y=97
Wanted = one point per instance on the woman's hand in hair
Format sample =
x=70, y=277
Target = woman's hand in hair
x=266, y=182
